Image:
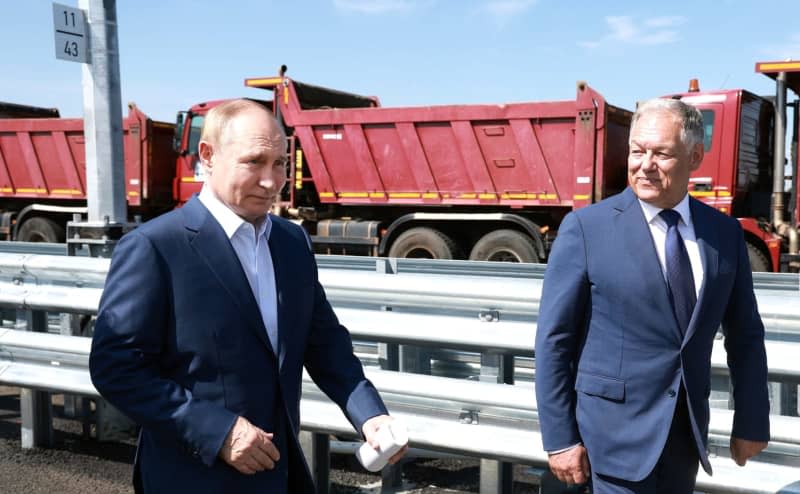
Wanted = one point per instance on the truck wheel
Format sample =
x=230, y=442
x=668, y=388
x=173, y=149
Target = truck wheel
x=38, y=229
x=759, y=262
x=424, y=243
x=504, y=246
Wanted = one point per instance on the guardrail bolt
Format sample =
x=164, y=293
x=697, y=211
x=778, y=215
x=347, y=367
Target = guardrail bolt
x=489, y=315
x=469, y=417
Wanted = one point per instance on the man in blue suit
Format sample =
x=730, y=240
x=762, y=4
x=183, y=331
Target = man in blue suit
x=209, y=315
x=635, y=290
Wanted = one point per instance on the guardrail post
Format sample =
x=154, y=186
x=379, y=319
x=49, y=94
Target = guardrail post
x=415, y=360
x=69, y=325
x=787, y=397
x=36, y=408
x=720, y=392
x=497, y=477
x=412, y=359
x=389, y=359
x=77, y=406
x=317, y=450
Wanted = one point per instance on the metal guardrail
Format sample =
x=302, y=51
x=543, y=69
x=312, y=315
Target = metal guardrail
x=471, y=418
x=776, y=281
x=482, y=314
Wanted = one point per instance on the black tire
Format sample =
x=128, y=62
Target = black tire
x=759, y=262
x=424, y=243
x=38, y=229
x=504, y=246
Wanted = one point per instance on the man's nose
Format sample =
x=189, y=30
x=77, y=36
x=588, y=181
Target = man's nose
x=267, y=182
x=271, y=179
x=648, y=163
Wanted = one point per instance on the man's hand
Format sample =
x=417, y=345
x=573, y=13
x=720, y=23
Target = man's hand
x=743, y=449
x=370, y=430
x=248, y=449
x=571, y=466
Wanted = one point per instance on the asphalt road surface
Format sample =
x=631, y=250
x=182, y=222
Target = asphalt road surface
x=78, y=466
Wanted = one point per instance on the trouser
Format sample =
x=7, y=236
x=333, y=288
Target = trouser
x=676, y=469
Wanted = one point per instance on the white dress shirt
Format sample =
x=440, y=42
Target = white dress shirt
x=253, y=251
x=658, y=229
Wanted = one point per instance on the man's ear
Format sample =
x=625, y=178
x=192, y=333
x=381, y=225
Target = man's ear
x=206, y=152
x=696, y=156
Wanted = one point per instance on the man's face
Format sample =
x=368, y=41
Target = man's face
x=659, y=164
x=246, y=169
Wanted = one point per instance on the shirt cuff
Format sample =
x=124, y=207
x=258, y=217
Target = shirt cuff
x=562, y=450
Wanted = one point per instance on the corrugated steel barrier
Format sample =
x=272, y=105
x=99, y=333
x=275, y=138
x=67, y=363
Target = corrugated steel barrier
x=489, y=313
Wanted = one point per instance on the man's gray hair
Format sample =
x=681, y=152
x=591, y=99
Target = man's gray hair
x=690, y=118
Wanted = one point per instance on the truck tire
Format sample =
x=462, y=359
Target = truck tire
x=504, y=246
x=759, y=262
x=38, y=229
x=424, y=243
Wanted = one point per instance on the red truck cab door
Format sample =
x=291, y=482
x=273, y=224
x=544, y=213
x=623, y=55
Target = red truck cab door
x=711, y=183
x=189, y=176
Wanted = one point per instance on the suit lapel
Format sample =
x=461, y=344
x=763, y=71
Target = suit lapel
x=214, y=247
x=641, y=250
x=708, y=244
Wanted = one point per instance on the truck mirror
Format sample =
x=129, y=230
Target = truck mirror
x=176, y=139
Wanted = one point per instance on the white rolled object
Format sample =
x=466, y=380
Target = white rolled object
x=392, y=437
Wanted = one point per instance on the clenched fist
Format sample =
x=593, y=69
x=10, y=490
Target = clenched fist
x=249, y=449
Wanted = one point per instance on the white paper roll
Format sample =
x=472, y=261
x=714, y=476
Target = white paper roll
x=391, y=438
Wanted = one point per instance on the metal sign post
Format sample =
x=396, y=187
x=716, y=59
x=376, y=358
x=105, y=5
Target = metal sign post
x=102, y=108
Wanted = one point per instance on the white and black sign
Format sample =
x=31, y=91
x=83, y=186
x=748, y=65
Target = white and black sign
x=72, y=40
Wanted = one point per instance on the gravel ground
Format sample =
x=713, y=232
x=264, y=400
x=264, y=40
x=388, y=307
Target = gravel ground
x=77, y=466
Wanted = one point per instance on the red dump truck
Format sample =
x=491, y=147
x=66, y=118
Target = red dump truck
x=492, y=182
x=43, y=170
x=484, y=182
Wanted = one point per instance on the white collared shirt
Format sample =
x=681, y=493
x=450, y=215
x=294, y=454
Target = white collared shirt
x=658, y=229
x=252, y=249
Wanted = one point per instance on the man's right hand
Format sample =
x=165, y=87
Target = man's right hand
x=571, y=466
x=249, y=449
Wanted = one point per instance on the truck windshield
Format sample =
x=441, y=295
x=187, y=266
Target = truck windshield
x=194, y=133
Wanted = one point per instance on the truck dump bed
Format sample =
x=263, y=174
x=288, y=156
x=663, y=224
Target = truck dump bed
x=560, y=153
x=44, y=158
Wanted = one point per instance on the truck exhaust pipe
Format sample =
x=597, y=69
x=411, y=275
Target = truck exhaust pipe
x=778, y=175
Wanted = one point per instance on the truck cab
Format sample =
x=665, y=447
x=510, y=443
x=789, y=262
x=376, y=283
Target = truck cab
x=737, y=173
x=189, y=175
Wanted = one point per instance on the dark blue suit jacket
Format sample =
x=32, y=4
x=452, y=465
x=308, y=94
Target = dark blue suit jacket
x=609, y=352
x=180, y=347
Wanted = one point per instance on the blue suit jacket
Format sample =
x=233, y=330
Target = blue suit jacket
x=609, y=352
x=180, y=347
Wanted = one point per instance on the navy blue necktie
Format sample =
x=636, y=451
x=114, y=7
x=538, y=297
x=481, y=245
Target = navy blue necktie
x=679, y=271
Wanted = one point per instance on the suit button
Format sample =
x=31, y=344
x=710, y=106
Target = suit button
x=671, y=393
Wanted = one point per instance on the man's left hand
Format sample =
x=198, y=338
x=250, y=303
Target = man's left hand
x=370, y=430
x=743, y=449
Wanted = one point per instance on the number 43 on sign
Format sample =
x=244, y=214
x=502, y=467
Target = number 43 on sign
x=71, y=37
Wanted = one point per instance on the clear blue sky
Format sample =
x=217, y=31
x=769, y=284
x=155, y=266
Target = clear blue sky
x=174, y=53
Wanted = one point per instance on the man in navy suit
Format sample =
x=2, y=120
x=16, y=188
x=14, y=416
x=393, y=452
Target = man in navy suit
x=635, y=290
x=209, y=315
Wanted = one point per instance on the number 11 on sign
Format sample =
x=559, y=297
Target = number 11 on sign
x=71, y=35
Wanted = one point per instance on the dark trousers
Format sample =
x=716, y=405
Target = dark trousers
x=676, y=469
